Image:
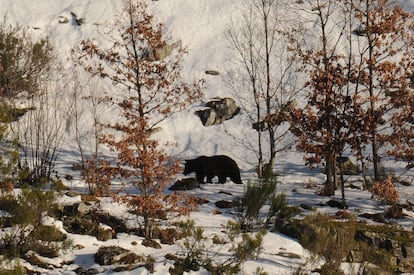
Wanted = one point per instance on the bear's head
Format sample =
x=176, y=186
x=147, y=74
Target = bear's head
x=189, y=166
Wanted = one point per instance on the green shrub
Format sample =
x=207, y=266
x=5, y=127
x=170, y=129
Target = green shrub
x=24, y=228
x=48, y=233
x=249, y=208
x=193, y=252
x=331, y=240
x=8, y=147
x=197, y=250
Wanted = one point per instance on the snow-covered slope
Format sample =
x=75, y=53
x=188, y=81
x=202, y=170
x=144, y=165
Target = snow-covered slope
x=201, y=26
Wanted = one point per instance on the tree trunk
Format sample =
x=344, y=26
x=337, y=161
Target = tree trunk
x=341, y=171
x=373, y=123
x=330, y=176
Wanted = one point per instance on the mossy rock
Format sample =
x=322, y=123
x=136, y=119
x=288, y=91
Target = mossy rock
x=151, y=243
x=389, y=248
x=108, y=255
x=80, y=225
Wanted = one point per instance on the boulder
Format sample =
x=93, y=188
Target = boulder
x=112, y=255
x=62, y=19
x=224, y=204
x=82, y=271
x=185, y=184
x=218, y=110
x=151, y=243
x=207, y=116
x=159, y=54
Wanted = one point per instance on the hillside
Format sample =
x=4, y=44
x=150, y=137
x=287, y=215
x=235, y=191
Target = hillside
x=201, y=26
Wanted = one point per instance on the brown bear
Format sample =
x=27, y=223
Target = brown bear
x=221, y=166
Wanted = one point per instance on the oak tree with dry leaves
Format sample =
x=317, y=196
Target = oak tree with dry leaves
x=151, y=89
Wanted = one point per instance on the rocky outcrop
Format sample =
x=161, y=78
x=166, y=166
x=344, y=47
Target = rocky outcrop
x=390, y=246
x=384, y=248
x=218, y=110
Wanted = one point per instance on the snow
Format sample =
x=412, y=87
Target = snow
x=201, y=26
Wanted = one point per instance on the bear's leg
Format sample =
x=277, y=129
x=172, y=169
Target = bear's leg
x=222, y=179
x=210, y=178
x=200, y=177
x=236, y=180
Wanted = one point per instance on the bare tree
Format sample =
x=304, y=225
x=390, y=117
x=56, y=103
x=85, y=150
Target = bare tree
x=28, y=73
x=267, y=71
x=41, y=133
x=85, y=106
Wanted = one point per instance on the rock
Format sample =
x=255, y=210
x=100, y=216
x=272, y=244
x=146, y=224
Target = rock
x=218, y=110
x=170, y=235
x=117, y=224
x=104, y=233
x=80, y=225
x=212, y=72
x=109, y=255
x=307, y=206
x=207, y=116
x=149, y=266
x=185, y=184
x=343, y=214
x=34, y=259
x=394, y=212
x=377, y=217
x=83, y=208
x=153, y=131
x=225, y=108
x=200, y=201
x=224, y=204
x=162, y=52
x=63, y=19
x=82, y=271
x=225, y=193
x=68, y=177
x=151, y=243
x=72, y=193
x=336, y=204
x=80, y=208
x=385, y=249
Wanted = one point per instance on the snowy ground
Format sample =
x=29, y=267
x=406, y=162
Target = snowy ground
x=200, y=24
